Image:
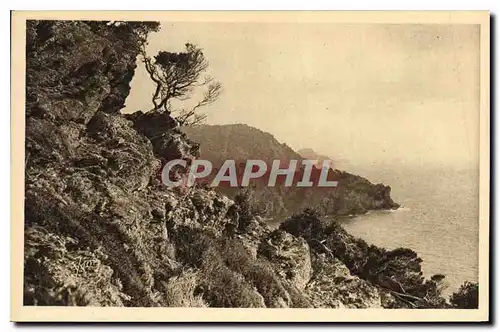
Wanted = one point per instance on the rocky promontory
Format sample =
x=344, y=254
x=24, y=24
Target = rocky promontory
x=353, y=195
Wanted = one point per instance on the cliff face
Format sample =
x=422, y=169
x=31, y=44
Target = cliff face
x=101, y=230
x=87, y=169
x=353, y=195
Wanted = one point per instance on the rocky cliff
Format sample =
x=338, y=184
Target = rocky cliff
x=101, y=230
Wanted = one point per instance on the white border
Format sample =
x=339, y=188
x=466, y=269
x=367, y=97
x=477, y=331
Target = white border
x=214, y=4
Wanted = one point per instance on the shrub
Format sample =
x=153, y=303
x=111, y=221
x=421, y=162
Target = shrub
x=225, y=288
x=467, y=297
x=221, y=263
x=298, y=299
x=235, y=255
x=181, y=290
x=261, y=274
x=193, y=245
x=246, y=206
x=398, y=271
x=306, y=224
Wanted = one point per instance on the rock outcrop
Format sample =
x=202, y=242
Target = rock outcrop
x=289, y=255
x=333, y=286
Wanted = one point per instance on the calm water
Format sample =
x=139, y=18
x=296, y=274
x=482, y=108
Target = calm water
x=439, y=220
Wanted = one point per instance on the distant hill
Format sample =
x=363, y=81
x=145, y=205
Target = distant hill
x=335, y=163
x=309, y=153
x=353, y=195
x=238, y=141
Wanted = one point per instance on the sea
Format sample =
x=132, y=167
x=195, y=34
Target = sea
x=438, y=218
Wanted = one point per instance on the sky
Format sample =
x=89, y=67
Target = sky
x=401, y=93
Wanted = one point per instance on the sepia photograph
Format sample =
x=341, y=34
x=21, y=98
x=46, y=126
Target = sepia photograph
x=174, y=166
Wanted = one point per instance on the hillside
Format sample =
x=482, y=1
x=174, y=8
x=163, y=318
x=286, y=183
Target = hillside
x=240, y=142
x=354, y=194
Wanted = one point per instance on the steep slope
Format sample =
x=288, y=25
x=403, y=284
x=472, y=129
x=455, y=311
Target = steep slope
x=353, y=195
x=101, y=230
x=238, y=141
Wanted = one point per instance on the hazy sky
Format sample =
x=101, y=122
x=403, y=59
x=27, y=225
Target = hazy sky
x=365, y=93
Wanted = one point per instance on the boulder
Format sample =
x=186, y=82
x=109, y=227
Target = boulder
x=332, y=286
x=289, y=255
